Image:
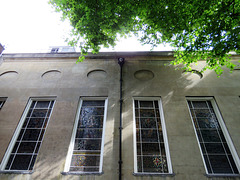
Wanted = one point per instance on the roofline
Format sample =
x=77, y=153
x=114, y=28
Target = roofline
x=75, y=55
x=155, y=55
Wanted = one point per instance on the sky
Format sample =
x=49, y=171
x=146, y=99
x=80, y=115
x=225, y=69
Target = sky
x=28, y=26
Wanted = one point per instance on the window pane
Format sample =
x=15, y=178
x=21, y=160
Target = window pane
x=30, y=137
x=84, y=160
x=151, y=154
x=212, y=141
x=88, y=139
x=21, y=162
x=26, y=147
x=87, y=144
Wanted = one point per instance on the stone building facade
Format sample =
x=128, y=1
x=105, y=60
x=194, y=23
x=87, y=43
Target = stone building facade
x=63, y=120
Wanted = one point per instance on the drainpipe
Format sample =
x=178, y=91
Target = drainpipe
x=120, y=62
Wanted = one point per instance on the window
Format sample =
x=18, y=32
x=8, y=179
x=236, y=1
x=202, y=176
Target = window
x=25, y=144
x=2, y=101
x=54, y=50
x=85, y=154
x=218, y=153
x=151, y=146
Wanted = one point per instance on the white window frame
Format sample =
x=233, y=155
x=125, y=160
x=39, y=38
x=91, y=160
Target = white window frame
x=170, y=171
x=224, y=130
x=16, y=133
x=72, y=142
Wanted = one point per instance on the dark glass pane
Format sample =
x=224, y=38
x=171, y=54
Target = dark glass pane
x=137, y=123
x=31, y=135
x=213, y=148
x=156, y=104
x=146, y=104
x=210, y=136
x=202, y=113
x=88, y=111
x=51, y=105
x=207, y=164
x=195, y=122
x=148, y=123
x=137, y=112
x=36, y=123
x=93, y=103
x=148, y=148
x=222, y=136
x=136, y=103
x=220, y=164
x=87, y=144
x=209, y=104
x=234, y=167
x=139, y=163
x=190, y=104
x=15, y=147
x=33, y=162
x=25, y=123
x=21, y=162
x=37, y=148
x=157, y=113
x=149, y=135
x=33, y=103
x=89, y=133
x=81, y=160
x=160, y=136
x=203, y=148
x=85, y=169
x=147, y=113
x=41, y=135
x=91, y=122
x=49, y=113
x=210, y=123
x=199, y=136
x=20, y=135
x=200, y=104
x=39, y=113
x=138, y=135
x=226, y=148
x=29, y=113
x=45, y=123
x=26, y=147
x=9, y=162
x=162, y=149
x=42, y=104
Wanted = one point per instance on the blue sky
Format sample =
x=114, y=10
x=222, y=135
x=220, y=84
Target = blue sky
x=33, y=26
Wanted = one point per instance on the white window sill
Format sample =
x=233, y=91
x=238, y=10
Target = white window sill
x=222, y=175
x=16, y=172
x=154, y=174
x=82, y=173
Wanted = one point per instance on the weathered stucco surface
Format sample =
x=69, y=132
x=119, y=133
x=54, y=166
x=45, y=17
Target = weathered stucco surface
x=68, y=81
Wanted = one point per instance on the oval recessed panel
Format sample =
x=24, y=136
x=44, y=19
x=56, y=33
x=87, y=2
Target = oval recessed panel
x=143, y=75
x=194, y=72
x=9, y=75
x=97, y=74
x=51, y=75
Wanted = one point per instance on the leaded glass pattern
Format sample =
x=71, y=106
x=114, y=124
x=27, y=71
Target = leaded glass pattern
x=30, y=137
x=151, y=154
x=214, y=147
x=88, y=138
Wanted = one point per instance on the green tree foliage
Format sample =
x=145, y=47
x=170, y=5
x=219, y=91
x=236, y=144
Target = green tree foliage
x=197, y=29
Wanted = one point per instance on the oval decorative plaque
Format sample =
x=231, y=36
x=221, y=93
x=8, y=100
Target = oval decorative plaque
x=144, y=75
x=51, y=75
x=97, y=74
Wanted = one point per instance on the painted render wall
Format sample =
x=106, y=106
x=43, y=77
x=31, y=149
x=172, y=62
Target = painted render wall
x=69, y=81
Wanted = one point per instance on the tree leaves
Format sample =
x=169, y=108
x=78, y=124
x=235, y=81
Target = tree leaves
x=198, y=30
